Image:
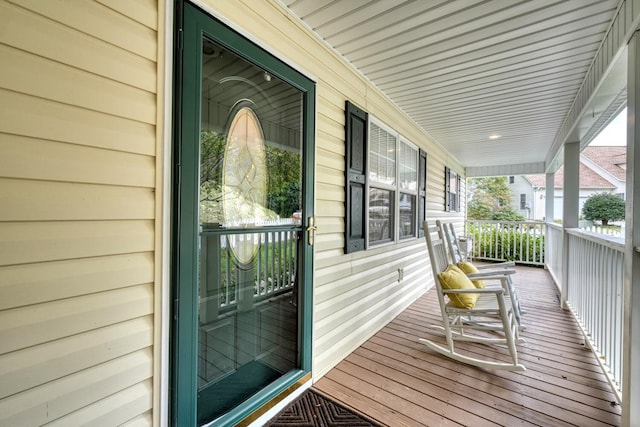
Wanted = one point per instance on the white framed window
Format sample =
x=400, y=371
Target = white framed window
x=392, y=185
x=386, y=183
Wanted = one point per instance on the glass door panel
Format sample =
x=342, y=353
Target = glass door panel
x=250, y=200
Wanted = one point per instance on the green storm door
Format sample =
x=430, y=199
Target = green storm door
x=243, y=197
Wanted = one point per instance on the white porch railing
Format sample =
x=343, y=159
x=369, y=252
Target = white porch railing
x=595, y=270
x=594, y=295
x=519, y=241
x=553, y=246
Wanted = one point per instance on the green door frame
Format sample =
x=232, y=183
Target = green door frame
x=191, y=24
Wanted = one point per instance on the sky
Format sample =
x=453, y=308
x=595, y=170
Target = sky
x=615, y=133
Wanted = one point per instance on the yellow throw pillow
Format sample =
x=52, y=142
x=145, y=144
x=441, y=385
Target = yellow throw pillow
x=469, y=268
x=453, y=278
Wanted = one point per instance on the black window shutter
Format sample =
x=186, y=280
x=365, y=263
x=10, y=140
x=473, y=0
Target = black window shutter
x=356, y=129
x=447, y=189
x=422, y=191
x=458, y=195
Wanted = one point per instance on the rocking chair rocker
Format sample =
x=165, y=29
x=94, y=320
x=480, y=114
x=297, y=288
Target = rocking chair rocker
x=471, y=314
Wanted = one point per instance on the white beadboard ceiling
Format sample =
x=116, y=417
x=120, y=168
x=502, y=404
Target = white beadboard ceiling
x=465, y=70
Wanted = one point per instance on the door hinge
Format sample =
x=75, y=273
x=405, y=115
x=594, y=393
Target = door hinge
x=175, y=309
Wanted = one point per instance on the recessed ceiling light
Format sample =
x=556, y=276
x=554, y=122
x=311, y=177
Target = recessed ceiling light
x=494, y=136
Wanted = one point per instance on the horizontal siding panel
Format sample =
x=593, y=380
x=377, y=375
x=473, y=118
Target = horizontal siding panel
x=142, y=420
x=23, y=369
x=99, y=21
x=358, y=329
x=326, y=157
x=26, y=115
x=28, y=242
x=325, y=242
x=35, y=33
x=50, y=401
x=326, y=207
x=37, y=76
x=143, y=11
x=28, y=284
x=330, y=176
x=116, y=409
x=35, y=324
x=25, y=200
x=333, y=145
x=329, y=225
x=37, y=159
x=333, y=281
x=330, y=192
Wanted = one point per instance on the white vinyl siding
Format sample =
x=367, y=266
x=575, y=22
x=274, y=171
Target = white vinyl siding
x=78, y=137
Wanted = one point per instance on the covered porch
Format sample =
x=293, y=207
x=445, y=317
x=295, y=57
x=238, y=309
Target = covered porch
x=396, y=380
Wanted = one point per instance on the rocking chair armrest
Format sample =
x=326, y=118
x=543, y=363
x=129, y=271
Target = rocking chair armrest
x=497, y=265
x=487, y=274
x=474, y=291
x=495, y=276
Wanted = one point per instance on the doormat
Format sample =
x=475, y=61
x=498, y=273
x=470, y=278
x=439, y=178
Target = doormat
x=312, y=409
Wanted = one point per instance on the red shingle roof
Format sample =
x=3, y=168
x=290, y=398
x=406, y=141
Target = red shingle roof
x=608, y=158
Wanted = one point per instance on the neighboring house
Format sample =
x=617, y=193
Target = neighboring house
x=602, y=169
x=522, y=196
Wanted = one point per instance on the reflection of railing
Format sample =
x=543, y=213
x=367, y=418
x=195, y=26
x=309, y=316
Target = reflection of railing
x=594, y=293
x=519, y=241
x=226, y=282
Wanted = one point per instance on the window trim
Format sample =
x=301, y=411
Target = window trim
x=451, y=204
x=395, y=188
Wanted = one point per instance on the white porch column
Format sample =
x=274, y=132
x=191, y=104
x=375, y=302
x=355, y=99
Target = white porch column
x=549, y=197
x=631, y=317
x=570, y=206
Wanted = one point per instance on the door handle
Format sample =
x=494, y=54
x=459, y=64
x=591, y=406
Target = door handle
x=311, y=230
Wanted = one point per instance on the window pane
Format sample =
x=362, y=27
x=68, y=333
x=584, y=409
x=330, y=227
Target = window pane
x=407, y=224
x=408, y=167
x=382, y=156
x=380, y=215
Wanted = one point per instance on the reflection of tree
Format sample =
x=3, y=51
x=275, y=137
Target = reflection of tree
x=284, y=195
x=212, y=145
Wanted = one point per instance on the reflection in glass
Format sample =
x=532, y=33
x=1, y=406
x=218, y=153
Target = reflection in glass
x=249, y=209
x=407, y=223
x=381, y=208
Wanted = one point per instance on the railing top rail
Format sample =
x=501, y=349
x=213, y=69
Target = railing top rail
x=554, y=225
x=615, y=243
x=491, y=221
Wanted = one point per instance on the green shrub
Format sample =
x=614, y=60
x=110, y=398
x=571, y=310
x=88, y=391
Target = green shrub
x=509, y=242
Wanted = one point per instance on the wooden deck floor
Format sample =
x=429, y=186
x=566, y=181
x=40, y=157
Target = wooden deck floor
x=399, y=382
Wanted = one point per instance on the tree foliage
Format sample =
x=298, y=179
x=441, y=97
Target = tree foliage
x=490, y=199
x=284, y=193
x=604, y=207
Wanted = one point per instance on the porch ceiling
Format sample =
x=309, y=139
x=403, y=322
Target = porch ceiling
x=467, y=70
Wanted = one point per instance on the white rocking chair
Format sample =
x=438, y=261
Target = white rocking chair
x=507, y=268
x=491, y=314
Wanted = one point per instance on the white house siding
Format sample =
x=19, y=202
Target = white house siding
x=522, y=186
x=355, y=294
x=78, y=137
